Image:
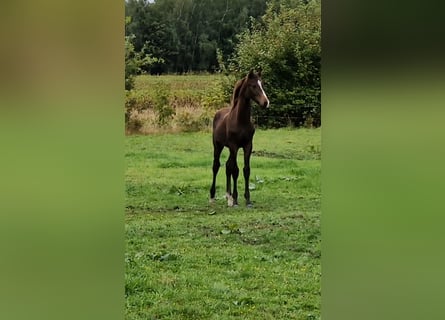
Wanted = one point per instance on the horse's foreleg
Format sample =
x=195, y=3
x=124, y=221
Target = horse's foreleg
x=216, y=164
x=246, y=171
x=232, y=171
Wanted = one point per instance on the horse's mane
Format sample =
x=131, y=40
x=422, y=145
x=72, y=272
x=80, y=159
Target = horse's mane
x=236, y=91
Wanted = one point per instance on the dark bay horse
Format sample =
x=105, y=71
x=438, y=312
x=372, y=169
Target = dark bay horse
x=233, y=128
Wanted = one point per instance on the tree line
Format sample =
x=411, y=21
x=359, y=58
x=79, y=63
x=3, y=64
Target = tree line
x=185, y=35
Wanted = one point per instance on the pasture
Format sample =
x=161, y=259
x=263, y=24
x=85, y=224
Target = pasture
x=187, y=259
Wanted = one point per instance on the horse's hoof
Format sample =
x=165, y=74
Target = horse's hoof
x=230, y=202
x=249, y=205
x=212, y=201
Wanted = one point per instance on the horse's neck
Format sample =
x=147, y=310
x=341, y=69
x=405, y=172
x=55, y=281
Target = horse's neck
x=242, y=110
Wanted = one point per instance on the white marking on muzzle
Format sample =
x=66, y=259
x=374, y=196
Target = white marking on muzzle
x=264, y=93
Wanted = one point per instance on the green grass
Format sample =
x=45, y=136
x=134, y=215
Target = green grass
x=186, y=259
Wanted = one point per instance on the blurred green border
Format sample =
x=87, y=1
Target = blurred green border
x=382, y=162
x=61, y=137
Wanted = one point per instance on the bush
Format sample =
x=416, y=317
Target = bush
x=133, y=124
x=163, y=109
x=189, y=120
x=135, y=102
x=286, y=44
x=215, y=97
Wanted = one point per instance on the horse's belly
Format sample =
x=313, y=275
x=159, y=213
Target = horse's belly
x=241, y=138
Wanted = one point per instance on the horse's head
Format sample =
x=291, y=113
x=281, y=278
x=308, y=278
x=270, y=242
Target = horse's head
x=254, y=89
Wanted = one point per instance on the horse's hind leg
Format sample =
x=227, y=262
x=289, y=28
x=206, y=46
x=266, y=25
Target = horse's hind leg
x=246, y=171
x=217, y=149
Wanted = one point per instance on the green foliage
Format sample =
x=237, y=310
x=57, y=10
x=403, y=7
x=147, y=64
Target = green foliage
x=135, y=101
x=282, y=37
x=188, y=33
x=135, y=61
x=189, y=121
x=162, y=107
x=286, y=44
x=214, y=97
x=186, y=259
x=174, y=102
x=138, y=100
x=132, y=63
x=221, y=63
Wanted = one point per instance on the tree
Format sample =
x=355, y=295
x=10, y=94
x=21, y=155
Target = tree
x=187, y=33
x=286, y=44
x=135, y=61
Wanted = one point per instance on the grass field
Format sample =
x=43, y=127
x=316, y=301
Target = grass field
x=186, y=259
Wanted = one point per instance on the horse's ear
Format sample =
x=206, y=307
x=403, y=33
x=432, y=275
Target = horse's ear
x=259, y=72
x=251, y=73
